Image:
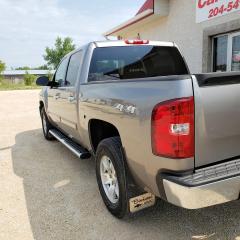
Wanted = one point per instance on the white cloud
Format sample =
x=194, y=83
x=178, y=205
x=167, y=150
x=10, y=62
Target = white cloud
x=28, y=26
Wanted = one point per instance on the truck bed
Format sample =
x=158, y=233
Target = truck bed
x=217, y=117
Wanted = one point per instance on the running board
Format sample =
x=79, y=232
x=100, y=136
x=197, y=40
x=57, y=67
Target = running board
x=79, y=151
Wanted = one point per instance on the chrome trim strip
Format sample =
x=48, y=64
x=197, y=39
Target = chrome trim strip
x=202, y=196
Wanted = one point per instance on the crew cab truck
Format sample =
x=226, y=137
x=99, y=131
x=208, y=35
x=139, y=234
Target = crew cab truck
x=154, y=130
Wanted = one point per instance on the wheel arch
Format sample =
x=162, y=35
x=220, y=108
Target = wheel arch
x=41, y=104
x=99, y=130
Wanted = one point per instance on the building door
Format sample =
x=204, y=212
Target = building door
x=226, y=52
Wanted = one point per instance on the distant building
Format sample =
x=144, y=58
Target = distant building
x=207, y=31
x=17, y=76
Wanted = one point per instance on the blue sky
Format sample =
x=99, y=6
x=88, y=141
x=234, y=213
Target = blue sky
x=28, y=26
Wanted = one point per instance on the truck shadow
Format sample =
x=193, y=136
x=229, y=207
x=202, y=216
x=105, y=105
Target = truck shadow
x=63, y=201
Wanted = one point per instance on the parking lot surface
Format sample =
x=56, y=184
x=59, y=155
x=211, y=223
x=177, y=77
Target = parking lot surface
x=48, y=193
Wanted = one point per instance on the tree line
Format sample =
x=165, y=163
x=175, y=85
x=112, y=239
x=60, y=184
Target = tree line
x=52, y=57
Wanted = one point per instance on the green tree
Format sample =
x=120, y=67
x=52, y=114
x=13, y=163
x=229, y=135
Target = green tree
x=50, y=75
x=29, y=79
x=23, y=68
x=43, y=67
x=2, y=68
x=62, y=47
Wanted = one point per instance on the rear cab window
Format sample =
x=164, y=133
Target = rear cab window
x=134, y=62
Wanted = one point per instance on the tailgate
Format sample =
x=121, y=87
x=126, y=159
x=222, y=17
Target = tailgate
x=217, y=117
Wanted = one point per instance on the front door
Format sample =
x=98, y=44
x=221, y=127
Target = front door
x=69, y=114
x=55, y=94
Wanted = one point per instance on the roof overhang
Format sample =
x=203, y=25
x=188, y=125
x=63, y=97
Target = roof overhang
x=160, y=9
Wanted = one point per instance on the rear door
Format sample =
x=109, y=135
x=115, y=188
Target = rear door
x=217, y=111
x=55, y=93
x=69, y=107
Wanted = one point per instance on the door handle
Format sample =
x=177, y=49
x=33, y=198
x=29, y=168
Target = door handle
x=71, y=98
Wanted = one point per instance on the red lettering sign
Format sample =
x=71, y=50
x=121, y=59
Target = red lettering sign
x=201, y=3
x=209, y=9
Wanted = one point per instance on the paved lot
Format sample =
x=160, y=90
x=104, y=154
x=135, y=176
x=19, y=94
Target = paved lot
x=47, y=193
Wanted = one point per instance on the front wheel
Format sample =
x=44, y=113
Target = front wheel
x=46, y=125
x=111, y=176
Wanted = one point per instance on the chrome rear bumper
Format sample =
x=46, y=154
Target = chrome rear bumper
x=204, y=195
x=206, y=187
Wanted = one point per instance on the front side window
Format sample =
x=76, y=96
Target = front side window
x=133, y=62
x=73, y=68
x=61, y=72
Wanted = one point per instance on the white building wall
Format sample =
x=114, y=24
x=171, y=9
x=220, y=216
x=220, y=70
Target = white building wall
x=181, y=27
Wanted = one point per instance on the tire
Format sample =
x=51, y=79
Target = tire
x=46, y=125
x=111, y=149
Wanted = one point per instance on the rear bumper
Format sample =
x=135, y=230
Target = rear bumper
x=206, y=187
x=202, y=196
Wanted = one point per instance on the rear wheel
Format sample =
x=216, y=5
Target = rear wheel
x=112, y=176
x=46, y=125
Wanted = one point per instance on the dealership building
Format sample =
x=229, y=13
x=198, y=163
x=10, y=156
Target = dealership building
x=206, y=31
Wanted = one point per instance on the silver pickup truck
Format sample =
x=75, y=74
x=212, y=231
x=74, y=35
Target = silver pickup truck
x=154, y=130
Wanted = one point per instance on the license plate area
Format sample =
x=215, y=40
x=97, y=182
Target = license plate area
x=141, y=202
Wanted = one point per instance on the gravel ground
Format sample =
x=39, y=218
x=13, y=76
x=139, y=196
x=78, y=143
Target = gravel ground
x=47, y=193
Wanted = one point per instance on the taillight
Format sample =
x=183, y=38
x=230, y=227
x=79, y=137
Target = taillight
x=137, y=41
x=173, y=128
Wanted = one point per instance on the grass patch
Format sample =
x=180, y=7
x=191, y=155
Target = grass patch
x=19, y=86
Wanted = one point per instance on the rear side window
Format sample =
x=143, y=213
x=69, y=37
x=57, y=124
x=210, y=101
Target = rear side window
x=131, y=62
x=73, y=68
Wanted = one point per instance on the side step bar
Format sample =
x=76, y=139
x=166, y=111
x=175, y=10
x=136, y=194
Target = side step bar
x=79, y=151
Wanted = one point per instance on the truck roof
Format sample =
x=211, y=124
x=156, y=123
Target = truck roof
x=113, y=43
x=119, y=43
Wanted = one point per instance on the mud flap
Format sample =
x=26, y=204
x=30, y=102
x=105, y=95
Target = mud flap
x=140, y=202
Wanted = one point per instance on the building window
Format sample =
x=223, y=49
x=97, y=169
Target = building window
x=235, y=53
x=226, y=52
x=220, y=45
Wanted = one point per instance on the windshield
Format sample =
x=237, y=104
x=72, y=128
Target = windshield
x=131, y=62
